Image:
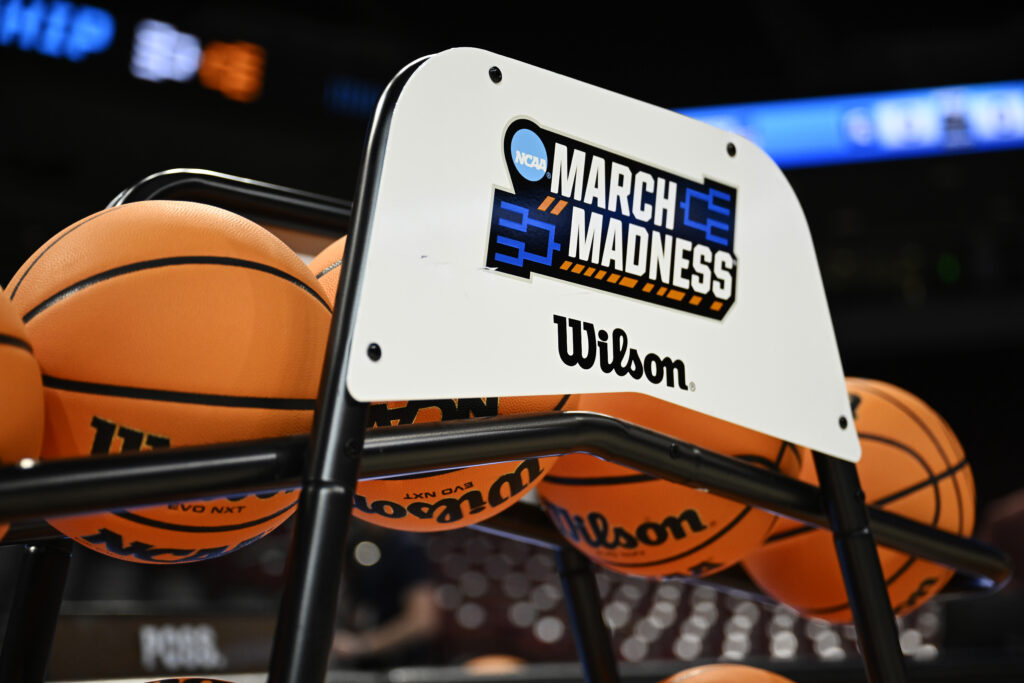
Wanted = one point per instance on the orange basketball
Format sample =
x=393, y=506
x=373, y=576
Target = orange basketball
x=911, y=464
x=637, y=524
x=453, y=498
x=726, y=673
x=21, y=392
x=494, y=665
x=168, y=323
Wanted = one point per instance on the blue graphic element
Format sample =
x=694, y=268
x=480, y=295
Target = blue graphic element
x=702, y=205
x=528, y=154
x=523, y=224
x=881, y=126
x=58, y=29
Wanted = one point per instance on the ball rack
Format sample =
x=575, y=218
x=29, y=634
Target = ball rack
x=328, y=463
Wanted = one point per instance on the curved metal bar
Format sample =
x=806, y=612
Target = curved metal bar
x=64, y=487
x=435, y=446
x=82, y=485
x=277, y=204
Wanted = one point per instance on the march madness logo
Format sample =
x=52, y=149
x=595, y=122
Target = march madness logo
x=585, y=215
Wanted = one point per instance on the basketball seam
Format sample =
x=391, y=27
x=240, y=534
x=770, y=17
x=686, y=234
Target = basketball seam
x=917, y=487
x=53, y=243
x=167, y=262
x=640, y=477
x=759, y=459
x=924, y=463
x=600, y=481
x=782, y=452
x=336, y=264
x=170, y=526
x=942, y=453
x=269, y=403
x=16, y=342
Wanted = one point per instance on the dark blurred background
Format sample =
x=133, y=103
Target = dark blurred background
x=920, y=257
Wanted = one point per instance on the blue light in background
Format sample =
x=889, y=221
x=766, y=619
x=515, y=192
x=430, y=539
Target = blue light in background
x=350, y=96
x=58, y=29
x=845, y=129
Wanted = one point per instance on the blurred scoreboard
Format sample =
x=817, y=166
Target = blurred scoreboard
x=245, y=59
x=884, y=126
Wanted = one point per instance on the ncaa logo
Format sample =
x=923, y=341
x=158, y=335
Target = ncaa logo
x=528, y=154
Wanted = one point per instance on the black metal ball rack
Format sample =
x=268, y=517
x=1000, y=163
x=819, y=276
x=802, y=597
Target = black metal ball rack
x=328, y=463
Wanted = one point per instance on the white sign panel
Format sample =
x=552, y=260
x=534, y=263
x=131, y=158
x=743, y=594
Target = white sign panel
x=536, y=235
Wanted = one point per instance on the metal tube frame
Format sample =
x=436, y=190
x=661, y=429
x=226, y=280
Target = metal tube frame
x=305, y=624
x=32, y=622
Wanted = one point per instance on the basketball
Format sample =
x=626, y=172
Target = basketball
x=449, y=499
x=911, y=464
x=494, y=665
x=21, y=390
x=168, y=323
x=189, y=680
x=326, y=266
x=21, y=393
x=634, y=523
x=455, y=498
x=726, y=673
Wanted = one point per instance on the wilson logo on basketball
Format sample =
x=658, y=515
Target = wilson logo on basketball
x=613, y=354
x=595, y=531
x=381, y=415
x=131, y=440
x=598, y=219
x=454, y=509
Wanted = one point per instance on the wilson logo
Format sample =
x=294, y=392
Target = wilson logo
x=579, y=343
x=454, y=509
x=595, y=531
x=131, y=439
x=381, y=415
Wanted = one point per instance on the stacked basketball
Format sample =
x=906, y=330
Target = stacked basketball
x=911, y=464
x=172, y=324
x=638, y=524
